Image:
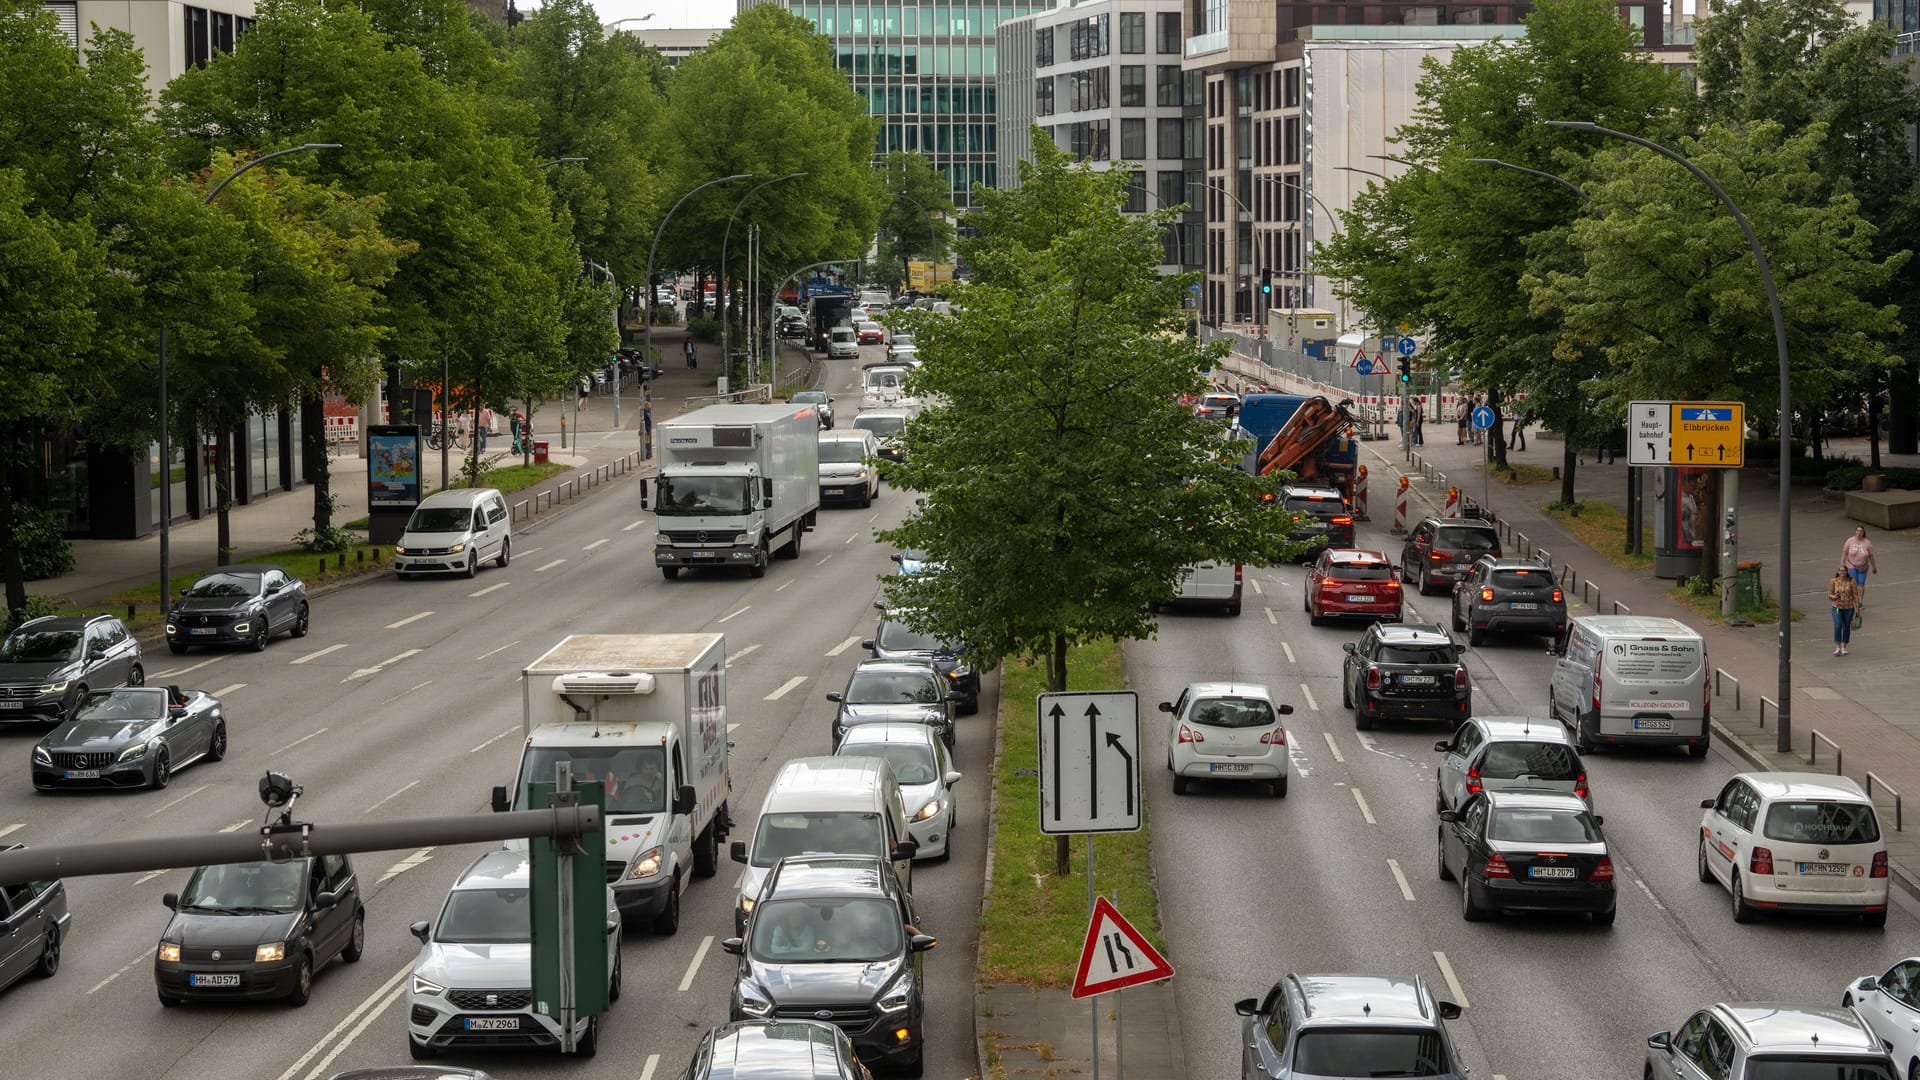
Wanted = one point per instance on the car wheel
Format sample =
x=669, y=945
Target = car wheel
x=302, y=624
x=669, y=572
x=759, y=567
x=668, y=922
x=1582, y=741
x=420, y=1051
x=1700, y=857
x=217, y=744
x=176, y=648
x=1469, y=910
x=1280, y=787
x=137, y=676
x=162, y=770
x=1426, y=582
x=1233, y=609
x=914, y=1066
x=1180, y=785
x=1604, y=919
x=706, y=850
x=613, y=985
x=1742, y=911
x=168, y=1001
x=1361, y=721
x=1874, y=919
x=1440, y=853
x=302, y=982
x=49, y=964
x=506, y=553
x=473, y=564
x=1458, y=622
x=259, y=642
x=356, y=945
x=1698, y=750
x=1476, y=635
x=1314, y=619
x=1346, y=694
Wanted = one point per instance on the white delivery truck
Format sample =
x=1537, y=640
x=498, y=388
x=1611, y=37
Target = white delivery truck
x=736, y=484
x=645, y=715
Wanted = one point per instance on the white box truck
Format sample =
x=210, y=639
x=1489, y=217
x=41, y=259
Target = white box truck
x=646, y=715
x=737, y=483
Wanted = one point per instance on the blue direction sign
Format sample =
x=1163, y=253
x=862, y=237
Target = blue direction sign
x=1484, y=417
x=1407, y=346
x=1364, y=365
x=1692, y=413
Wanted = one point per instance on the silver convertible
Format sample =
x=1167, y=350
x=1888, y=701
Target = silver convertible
x=131, y=737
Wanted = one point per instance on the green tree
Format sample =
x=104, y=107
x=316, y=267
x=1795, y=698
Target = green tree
x=1064, y=484
x=915, y=214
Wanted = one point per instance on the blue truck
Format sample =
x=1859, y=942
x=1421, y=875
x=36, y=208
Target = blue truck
x=1309, y=436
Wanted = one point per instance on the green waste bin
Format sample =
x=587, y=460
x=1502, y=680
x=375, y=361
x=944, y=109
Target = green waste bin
x=1746, y=585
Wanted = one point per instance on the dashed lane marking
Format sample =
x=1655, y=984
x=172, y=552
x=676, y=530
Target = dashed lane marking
x=1334, y=746
x=1288, y=649
x=849, y=539
x=653, y=1061
x=318, y=655
x=502, y=648
x=548, y=566
x=597, y=543
x=180, y=800
x=297, y=742
x=410, y=619
x=171, y=672
x=418, y=858
x=635, y=525
x=1400, y=879
x=693, y=968
x=142, y=958
x=1650, y=896
x=823, y=560
x=362, y=673
x=745, y=651
x=225, y=690
x=390, y=798
x=1270, y=619
x=13, y=828
x=1257, y=590
x=785, y=687
x=783, y=588
x=1308, y=694
x=1365, y=810
x=404, y=693
x=1453, y=983
x=843, y=646
x=490, y=588
x=491, y=741
x=742, y=611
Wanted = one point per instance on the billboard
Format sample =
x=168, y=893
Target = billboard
x=393, y=467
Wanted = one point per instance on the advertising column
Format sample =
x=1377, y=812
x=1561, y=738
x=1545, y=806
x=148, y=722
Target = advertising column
x=393, y=479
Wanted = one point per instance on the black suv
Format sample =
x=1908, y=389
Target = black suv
x=48, y=665
x=894, y=640
x=837, y=938
x=1348, y=1025
x=1509, y=596
x=1439, y=550
x=1327, y=520
x=1409, y=670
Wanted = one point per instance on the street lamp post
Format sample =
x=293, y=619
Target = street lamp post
x=773, y=342
x=1784, y=738
x=166, y=446
x=1561, y=180
x=611, y=280
x=726, y=359
x=646, y=286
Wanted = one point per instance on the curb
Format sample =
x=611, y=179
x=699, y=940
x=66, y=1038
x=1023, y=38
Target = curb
x=986, y=890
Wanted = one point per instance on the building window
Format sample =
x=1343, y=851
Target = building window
x=1087, y=38
x=1167, y=85
x=1167, y=33
x=1290, y=197
x=1291, y=145
x=1192, y=87
x=1133, y=139
x=1133, y=31
x=1133, y=86
x=198, y=21
x=1290, y=85
x=1101, y=135
x=1043, y=96
x=1194, y=146
x=1167, y=138
x=1043, y=47
x=1171, y=189
x=1136, y=194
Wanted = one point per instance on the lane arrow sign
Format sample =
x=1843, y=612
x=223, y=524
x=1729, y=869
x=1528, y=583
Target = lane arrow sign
x=1116, y=743
x=1056, y=714
x=1093, y=765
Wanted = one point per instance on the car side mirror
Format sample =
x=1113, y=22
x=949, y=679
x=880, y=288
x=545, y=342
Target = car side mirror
x=1459, y=651
x=685, y=799
x=1660, y=1040
x=922, y=942
x=1166, y=706
x=738, y=852
x=733, y=945
x=1284, y=710
x=1706, y=804
x=176, y=711
x=1247, y=1006
x=881, y=605
x=953, y=777
x=183, y=589
x=1443, y=746
x=500, y=803
x=905, y=849
x=1449, y=815
x=867, y=644
x=1448, y=1010
x=1348, y=647
x=1599, y=819
x=1867, y=985
x=833, y=695
x=895, y=556
x=326, y=901
x=170, y=901
x=420, y=930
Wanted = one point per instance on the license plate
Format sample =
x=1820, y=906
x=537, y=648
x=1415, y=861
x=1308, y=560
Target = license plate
x=1217, y=767
x=699, y=554
x=13, y=704
x=1416, y=680
x=82, y=774
x=1648, y=723
x=493, y=1023
x=1352, y=599
x=1561, y=872
x=834, y=491
x=213, y=980
x=198, y=630
x=1527, y=606
x=1823, y=869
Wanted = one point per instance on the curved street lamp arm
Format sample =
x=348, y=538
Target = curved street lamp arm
x=724, y=238
x=646, y=324
x=235, y=175
x=1561, y=180
x=561, y=161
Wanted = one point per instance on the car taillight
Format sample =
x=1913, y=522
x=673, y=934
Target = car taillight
x=1276, y=737
x=1596, y=687
x=1236, y=573
x=1603, y=872
x=1496, y=867
x=1329, y=583
x=1879, y=864
x=1391, y=584
x=1373, y=678
x=1343, y=520
x=1473, y=781
x=1440, y=556
x=1486, y=594
x=1580, y=785
x=1459, y=678
x=1559, y=597
x=1762, y=861
x=1188, y=735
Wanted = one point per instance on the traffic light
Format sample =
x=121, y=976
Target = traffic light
x=1406, y=370
x=1266, y=283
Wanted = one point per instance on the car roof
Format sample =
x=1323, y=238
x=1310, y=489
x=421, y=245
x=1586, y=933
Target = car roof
x=456, y=497
x=1456, y=523
x=1805, y=785
x=1640, y=625
x=1521, y=729
x=245, y=568
x=1415, y=633
x=853, y=775
x=1367, y=998
x=915, y=664
x=1229, y=689
x=859, y=435
x=888, y=732
x=1355, y=556
x=1534, y=800
x=880, y=414
x=496, y=870
x=1775, y=1026
x=1512, y=562
x=59, y=622
x=774, y=1050
x=827, y=875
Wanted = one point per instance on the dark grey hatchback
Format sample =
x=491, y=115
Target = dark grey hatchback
x=244, y=604
x=247, y=931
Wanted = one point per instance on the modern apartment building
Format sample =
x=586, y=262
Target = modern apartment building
x=173, y=35
x=676, y=44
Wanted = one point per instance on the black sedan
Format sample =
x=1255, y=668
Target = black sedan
x=1509, y=595
x=248, y=931
x=1407, y=670
x=244, y=604
x=131, y=738
x=1527, y=851
x=894, y=640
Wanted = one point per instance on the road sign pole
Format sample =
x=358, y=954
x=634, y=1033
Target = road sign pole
x=1093, y=1014
x=1729, y=540
x=1119, y=1025
x=563, y=795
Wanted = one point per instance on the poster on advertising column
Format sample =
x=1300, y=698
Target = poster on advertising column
x=393, y=467
x=1692, y=510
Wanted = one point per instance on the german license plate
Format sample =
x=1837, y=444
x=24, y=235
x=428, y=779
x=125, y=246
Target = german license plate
x=1220, y=768
x=1822, y=869
x=200, y=630
x=1652, y=723
x=1524, y=606
x=82, y=774
x=1557, y=872
x=198, y=979
x=13, y=704
x=699, y=554
x=493, y=1023
x=834, y=491
x=1416, y=680
x=1353, y=599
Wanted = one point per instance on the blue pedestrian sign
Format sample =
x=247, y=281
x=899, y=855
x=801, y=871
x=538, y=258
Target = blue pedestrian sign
x=1407, y=346
x=1722, y=414
x=1364, y=365
x=1484, y=417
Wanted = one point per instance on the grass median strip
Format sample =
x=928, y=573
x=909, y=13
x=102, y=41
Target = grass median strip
x=1035, y=922
x=1602, y=527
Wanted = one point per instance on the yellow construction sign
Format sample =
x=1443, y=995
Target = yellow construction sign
x=1708, y=434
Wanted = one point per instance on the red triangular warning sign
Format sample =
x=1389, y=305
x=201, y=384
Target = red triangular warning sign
x=1115, y=956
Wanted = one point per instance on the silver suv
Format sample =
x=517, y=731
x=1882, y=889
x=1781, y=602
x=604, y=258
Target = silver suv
x=1508, y=753
x=1760, y=1040
x=1348, y=1025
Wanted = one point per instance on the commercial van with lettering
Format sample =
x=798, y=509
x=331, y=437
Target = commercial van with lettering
x=1629, y=680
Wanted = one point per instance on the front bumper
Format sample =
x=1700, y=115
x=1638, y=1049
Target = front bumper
x=257, y=982
x=34, y=710
x=849, y=489
x=432, y=564
x=433, y=1021
x=129, y=774
x=931, y=834
x=642, y=901
x=1531, y=896
x=181, y=632
x=738, y=555
x=1440, y=708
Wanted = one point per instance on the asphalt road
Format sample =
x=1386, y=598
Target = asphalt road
x=404, y=702
x=1340, y=876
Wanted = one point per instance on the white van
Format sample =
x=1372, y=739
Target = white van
x=843, y=343
x=825, y=806
x=1209, y=584
x=1625, y=680
x=453, y=532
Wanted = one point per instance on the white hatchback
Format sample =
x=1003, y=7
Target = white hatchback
x=1795, y=842
x=1226, y=731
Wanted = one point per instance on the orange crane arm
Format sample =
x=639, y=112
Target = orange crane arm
x=1316, y=421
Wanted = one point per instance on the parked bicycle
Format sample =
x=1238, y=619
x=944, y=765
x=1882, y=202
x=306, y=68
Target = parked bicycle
x=439, y=438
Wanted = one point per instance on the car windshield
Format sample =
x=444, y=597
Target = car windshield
x=1813, y=1067
x=1808, y=822
x=1522, y=579
x=895, y=637
x=229, y=584
x=1359, y=571
x=440, y=519
x=828, y=931
x=688, y=495
x=1232, y=712
x=1467, y=539
x=1416, y=654
x=1529, y=761
x=1369, y=1052
x=246, y=888
x=889, y=688
x=119, y=706
x=881, y=425
x=486, y=917
x=815, y=397
x=41, y=646
x=1541, y=826
x=912, y=762
x=633, y=775
x=842, y=450
x=832, y=832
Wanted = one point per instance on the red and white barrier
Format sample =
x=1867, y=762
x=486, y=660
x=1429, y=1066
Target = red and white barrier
x=1452, y=508
x=343, y=429
x=1360, y=495
x=1400, y=509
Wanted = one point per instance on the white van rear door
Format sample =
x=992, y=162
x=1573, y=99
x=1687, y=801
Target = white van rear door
x=1653, y=675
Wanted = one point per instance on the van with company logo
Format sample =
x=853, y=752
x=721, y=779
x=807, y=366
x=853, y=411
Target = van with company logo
x=1632, y=680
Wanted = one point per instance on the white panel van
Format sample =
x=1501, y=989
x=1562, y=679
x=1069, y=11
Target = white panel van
x=1625, y=680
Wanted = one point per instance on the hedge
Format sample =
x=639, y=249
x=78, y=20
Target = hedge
x=1848, y=478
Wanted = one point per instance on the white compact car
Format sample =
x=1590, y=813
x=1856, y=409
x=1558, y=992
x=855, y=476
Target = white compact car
x=453, y=532
x=924, y=772
x=1226, y=731
x=472, y=982
x=849, y=472
x=1795, y=842
x=1890, y=1007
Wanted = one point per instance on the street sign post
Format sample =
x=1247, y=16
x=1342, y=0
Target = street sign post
x=1089, y=762
x=1691, y=434
x=567, y=906
x=1115, y=955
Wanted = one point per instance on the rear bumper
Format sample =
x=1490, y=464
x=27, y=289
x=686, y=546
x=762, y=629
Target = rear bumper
x=1532, y=896
x=1375, y=609
x=1238, y=768
x=1451, y=708
x=1519, y=622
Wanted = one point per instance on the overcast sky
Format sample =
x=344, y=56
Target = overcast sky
x=676, y=14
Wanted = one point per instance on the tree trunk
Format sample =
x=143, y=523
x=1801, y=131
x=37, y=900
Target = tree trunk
x=16, y=575
x=223, y=494
x=1903, y=400
x=1873, y=426
x=1056, y=683
x=316, y=466
x=1710, y=527
x=1497, y=434
x=1569, y=461
x=526, y=437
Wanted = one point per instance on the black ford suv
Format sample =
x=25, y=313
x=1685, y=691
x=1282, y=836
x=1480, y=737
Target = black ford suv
x=1409, y=670
x=1509, y=596
x=1348, y=1025
x=1438, y=551
x=837, y=938
x=1326, y=520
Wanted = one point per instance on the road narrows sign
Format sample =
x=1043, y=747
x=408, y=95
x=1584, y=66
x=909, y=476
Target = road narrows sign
x=1116, y=955
x=1089, y=762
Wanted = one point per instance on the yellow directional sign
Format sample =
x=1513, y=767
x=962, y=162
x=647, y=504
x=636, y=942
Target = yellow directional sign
x=1708, y=435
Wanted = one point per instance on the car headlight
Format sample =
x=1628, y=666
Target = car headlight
x=646, y=865
x=41, y=756
x=753, y=1004
x=398, y=550
x=241, y=628
x=927, y=811
x=169, y=952
x=899, y=994
x=742, y=539
x=56, y=687
x=170, y=628
x=746, y=905
x=135, y=751
x=457, y=548
x=422, y=986
x=267, y=954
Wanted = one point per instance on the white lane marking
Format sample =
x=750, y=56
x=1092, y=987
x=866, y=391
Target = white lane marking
x=361, y=673
x=11, y=829
x=225, y=690
x=1365, y=810
x=785, y=687
x=693, y=969
x=491, y=741
x=171, y=672
x=548, y=566
x=731, y=728
x=416, y=859
x=318, y=655
x=1288, y=649
x=129, y=967
x=490, y=588
x=1334, y=746
x=849, y=540
x=390, y=798
x=236, y=826
x=1405, y=889
x=876, y=517
x=1270, y=619
x=742, y=611
x=405, y=692
x=843, y=646
x=1311, y=704
x=1453, y=983
x=502, y=648
x=653, y=1060
x=824, y=559
x=635, y=525
x=297, y=742
x=181, y=799
x=391, y=992
x=1257, y=590
x=597, y=543
x=783, y=588
x=1650, y=896
x=745, y=651
x=531, y=552
x=410, y=619
x=142, y=880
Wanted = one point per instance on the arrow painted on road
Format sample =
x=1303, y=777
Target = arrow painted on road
x=1114, y=741
x=1057, y=713
x=1093, y=760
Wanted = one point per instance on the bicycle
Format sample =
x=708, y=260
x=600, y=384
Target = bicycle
x=440, y=437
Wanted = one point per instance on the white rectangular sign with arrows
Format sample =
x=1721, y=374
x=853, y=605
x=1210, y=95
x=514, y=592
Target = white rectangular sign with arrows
x=1090, y=762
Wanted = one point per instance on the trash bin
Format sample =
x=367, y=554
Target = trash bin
x=540, y=452
x=1746, y=585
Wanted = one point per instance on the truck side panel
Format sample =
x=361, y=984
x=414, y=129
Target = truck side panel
x=704, y=733
x=793, y=461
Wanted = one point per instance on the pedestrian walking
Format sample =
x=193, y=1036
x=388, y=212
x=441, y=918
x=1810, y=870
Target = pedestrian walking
x=646, y=427
x=1520, y=420
x=691, y=361
x=1464, y=418
x=1856, y=558
x=518, y=425
x=1844, y=595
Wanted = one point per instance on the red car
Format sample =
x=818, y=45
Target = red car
x=871, y=333
x=1345, y=581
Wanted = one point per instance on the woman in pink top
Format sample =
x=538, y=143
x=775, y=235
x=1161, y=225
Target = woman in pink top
x=1856, y=558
